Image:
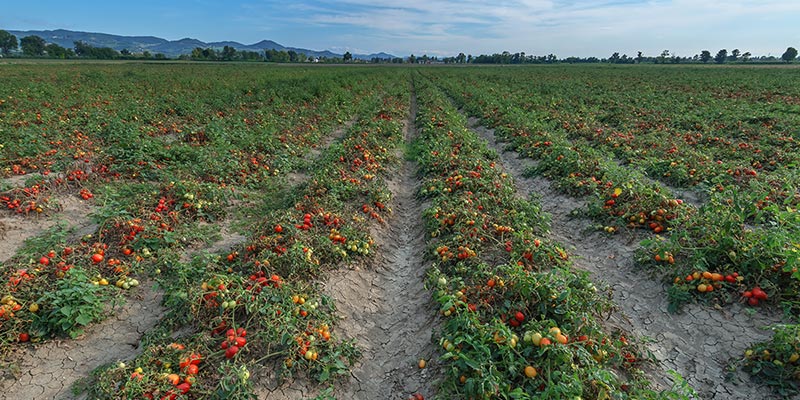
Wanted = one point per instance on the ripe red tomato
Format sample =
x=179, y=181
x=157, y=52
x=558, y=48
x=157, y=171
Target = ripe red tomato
x=231, y=352
x=183, y=387
x=278, y=228
x=97, y=258
x=519, y=316
x=24, y=337
x=44, y=261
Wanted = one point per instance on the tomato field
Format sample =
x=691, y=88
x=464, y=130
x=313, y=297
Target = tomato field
x=210, y=231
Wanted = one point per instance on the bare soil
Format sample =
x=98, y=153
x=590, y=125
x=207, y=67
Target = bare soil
x=15, y=229
x=697, y=343
x=387, y=309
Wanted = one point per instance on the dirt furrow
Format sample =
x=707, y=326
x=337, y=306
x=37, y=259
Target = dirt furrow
x=50, y=369
x=386, y=309
x=16, y=229
x=697, y=343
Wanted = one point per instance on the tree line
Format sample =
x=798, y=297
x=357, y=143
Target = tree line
x=35, y=46
x=722, y=56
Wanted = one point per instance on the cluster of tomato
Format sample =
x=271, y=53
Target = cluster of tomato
x=26, y=200
x=754, y=296
x=234, y=341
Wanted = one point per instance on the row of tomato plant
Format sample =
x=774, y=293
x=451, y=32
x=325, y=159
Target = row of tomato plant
x=147, y=205
x=167, y=168
x=259, y=306
x=519, y=321
x=619, y=131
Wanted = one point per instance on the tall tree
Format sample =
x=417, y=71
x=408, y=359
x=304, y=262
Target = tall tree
x=735, y=53
x=789, y=55
x=721, y=56
x=8, y=42
x=639, y=57
x=228, y=53
x=705, y=56
x=32, y=45
x=347, y=57
x=746, y=56
x=55, y=51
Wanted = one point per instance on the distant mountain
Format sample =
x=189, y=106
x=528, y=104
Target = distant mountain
x=380, y=55
x=171, y=48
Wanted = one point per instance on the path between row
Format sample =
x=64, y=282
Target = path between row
x=383, y=307
x=387, y=309
x=698, y=343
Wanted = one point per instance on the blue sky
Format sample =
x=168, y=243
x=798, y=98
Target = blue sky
x=439, y=27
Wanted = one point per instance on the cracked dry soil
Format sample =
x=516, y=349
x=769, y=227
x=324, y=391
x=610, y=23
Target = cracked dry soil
x=48, y=370
x=387, y=309
x=697, y=343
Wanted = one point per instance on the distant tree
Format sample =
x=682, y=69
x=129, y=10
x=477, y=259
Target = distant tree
x=614, y=59
x=146, y=54
x=721, y=56
x=209, y=54
x=125, y=52
x=347, y=57
x=276, y=56
x=789, y=55
x=228, y=53
x=82, y=49
x=32, y=45
x=412, y=59
x=55, y=51
x=746, y=56
x=663, y=57
x=705, y=56
x=86, y=50
x=461, y=58
x=197, y=53
x=639, y=57
x=159, y=56
x=735, y=53
x=8, y=42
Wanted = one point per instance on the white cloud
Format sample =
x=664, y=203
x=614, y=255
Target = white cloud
x=580, y=27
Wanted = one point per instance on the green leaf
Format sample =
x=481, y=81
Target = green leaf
x=83, y=319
